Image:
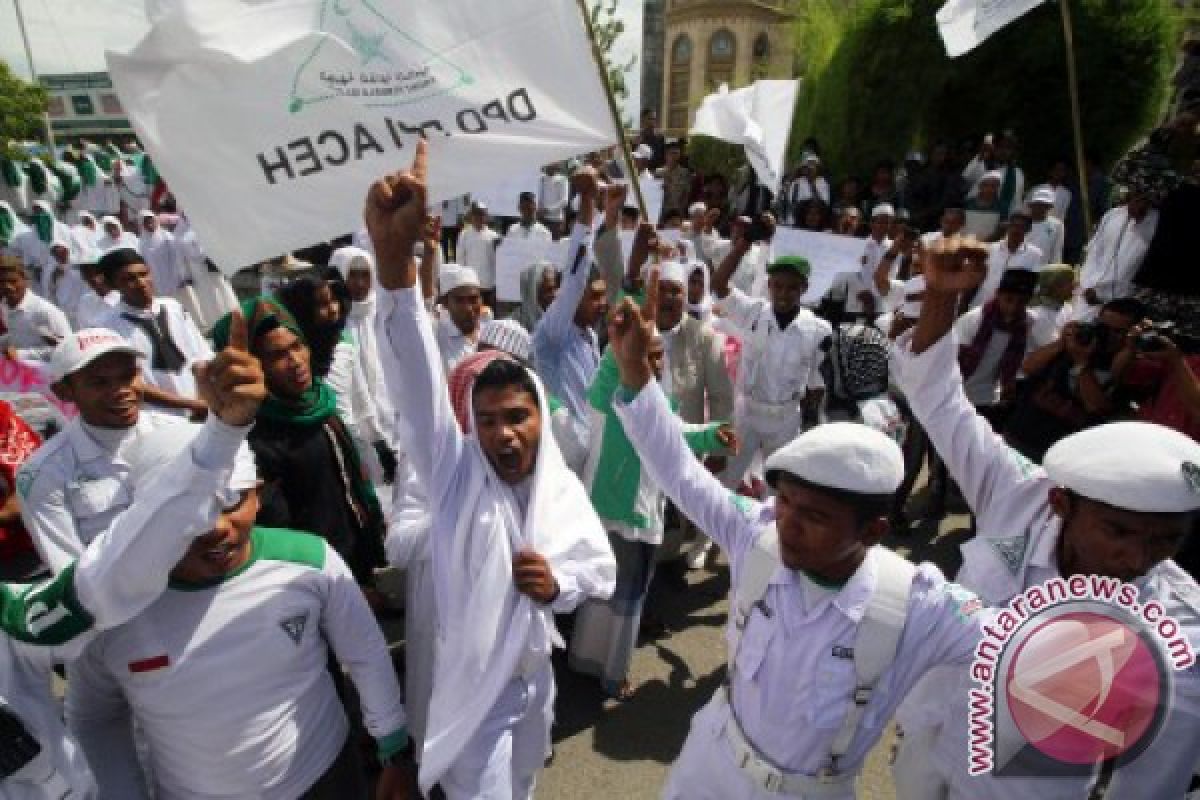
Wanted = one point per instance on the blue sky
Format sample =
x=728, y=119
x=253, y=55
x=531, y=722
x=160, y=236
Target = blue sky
x=72, y=35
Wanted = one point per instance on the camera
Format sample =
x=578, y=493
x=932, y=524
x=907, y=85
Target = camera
x=1155, y=338
x=1088, y=332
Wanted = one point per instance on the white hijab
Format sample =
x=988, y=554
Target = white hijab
x=485, y=626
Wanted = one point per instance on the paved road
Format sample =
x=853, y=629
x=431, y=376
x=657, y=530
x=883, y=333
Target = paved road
x=606, y=750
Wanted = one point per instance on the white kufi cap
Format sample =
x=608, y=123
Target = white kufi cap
x=1136, y=466
x=454, y=276
x=842, y=455
x=507, y=335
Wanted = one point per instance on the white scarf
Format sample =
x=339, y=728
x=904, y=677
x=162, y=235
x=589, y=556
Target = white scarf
x=485, y=626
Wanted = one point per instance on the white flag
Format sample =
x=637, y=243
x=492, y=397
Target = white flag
x=758, y=117
x=270, y=118
x=964, y=24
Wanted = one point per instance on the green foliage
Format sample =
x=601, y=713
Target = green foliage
x=879, y=81
x=713, y=156
x=21, y=107
x=607, y=28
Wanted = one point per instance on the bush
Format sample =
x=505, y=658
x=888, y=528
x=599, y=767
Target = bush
x=880, y=82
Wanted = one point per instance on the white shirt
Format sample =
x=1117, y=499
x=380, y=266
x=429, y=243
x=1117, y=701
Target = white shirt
x=111, y=587
x=92, y=309
x=30, y=324
x=1047, y=236
x=554, y=190
x=477, y=249
x=983, y=387
x=77, y=483
x=1014, y=548
x=273, y=731
x=453, y=344
x=851, y=284
x=1116, y=253
x=360, y=324
x=790, y=688
x=1001, y=258
x=349, y=385
x=1062, y=202
x=778, y=367
x=125, y=239
x=187, y=337
x=64, y=286
x=158, y=250
x=536, y=232
x=801, y=191
x=873, y=253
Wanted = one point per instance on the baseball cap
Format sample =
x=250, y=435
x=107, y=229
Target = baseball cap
x=83, y=347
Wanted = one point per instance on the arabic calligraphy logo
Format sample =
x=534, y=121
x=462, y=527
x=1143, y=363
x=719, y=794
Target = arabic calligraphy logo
x=1085, y=687
x=365, y=56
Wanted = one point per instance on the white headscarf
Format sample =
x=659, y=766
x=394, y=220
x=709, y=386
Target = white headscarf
x=703, y=309
x=485, y=625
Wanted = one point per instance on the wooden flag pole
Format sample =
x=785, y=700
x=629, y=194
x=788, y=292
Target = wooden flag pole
x=635, y=185
x=1076, y=123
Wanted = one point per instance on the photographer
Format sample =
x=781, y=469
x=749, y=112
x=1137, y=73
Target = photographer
x=1166, y=367
x=1069, y=384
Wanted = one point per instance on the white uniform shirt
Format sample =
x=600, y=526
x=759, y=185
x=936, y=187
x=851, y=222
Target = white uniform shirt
x=229, y=683
x=64, y=286
x=850, y=285
x=1014, y=548
x=1116, y=253
x=873, y=253
x=1001, y=258
x=187, y=337
x=76, y=483
x=111, y=587
x=553, y=191
x=92, y=309
x=477, y=249
x=453, y=344
x=536, y=232
x=791, y=685
x=1048, y=236
x=30, y=324
x=800, y=192
x=778, y=367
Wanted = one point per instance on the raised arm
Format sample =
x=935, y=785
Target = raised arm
x=559, y=319
x=739, y=246
x=408, y=351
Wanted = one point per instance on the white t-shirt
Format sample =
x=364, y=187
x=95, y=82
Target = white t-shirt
x=477, y=249
x=983, y=387
x=1001, y=258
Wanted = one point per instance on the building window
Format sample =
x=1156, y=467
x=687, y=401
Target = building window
x=82, y=104
x=57, y=107
x=679, y=89
x=722, y=50
x=110, y=103
x=760, y=65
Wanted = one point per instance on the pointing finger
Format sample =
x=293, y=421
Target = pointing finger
x=420, y=167
x=239, y=336
x=650, y=304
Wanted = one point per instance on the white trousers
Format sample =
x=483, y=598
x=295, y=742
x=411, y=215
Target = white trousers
x=706, y=769
x=503, y=758
x=758, y=439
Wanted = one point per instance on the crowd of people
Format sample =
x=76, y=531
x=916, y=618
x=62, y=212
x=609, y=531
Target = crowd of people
x=206, y=535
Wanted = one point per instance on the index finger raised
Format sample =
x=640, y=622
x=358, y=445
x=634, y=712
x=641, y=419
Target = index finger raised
x=650, y=303
x=239, y=335
x=420, y=165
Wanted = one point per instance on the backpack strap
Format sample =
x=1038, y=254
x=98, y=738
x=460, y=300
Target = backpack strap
x=754, y=577
x=875, y=643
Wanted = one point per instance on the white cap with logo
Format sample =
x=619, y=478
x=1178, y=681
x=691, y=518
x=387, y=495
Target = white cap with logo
x=841, y=455
x=83, y=347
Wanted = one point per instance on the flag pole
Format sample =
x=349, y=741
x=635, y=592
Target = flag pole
x=1077, y=125
x=630, y=168
x=33, y=76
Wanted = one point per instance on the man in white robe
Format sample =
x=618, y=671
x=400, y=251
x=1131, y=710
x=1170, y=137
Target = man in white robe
x=1115, y=254
x=206, y=293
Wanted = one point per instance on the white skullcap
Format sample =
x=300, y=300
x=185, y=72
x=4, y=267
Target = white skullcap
x=995, y=175
x=842, y=455
x=1042, y=194
x=153, y=451
x=810, y=158
x=345, y=259
x=673, y=272
x=507, y=335
x=110, y=220
x=697, y=208
x=644, y=152
x=86, y=215
x=148, y=214
x=687, y=250
x=455, y=276
x=1137, y=466
x=883, y=210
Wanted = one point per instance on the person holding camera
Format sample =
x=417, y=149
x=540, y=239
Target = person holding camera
x=1069, y=383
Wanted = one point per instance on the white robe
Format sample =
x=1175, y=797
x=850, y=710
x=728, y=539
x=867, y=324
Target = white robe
x=206, y=294
x=158, y=251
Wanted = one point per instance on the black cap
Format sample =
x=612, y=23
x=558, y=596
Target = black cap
x=1018, y=281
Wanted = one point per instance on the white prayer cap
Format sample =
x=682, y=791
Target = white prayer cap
x=1137, y=466
x=995, y=175
x=883, y=210
x=841, y=455
x=697, y=208
x=507, y=335
x=347, y=259
x=687, y=250
x=810, y=158
x=148, y=214
x=151, y=452
x=42, y=205
x=673, y=272
x=478, y=206
x=1042, y=194
x=83, y=347
x=110, y=220
x=644, y=152
x=86, y=215
x=454, y=276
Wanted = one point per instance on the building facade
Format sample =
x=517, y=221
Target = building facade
x=654, y=36
x=84, y=105
x=710, y=42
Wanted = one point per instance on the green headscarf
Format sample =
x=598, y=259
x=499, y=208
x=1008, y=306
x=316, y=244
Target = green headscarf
x=69, y=182
x=1049, y=278
x=88, y=171
x=149, y=173
x=8, y=224
x=38, y=180
x=12, y=175
x=263, y=315
x=44, y=224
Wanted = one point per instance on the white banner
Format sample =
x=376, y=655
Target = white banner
x=758, y=117
x=501, y=199
x=964, y=24
x=829, y=254
x=514, y=256
x=26, y=387
x=270, y=118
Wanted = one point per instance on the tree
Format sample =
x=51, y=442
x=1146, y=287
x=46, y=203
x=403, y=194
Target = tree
x=21, y=107
x=607, y=28
x=883, y=84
